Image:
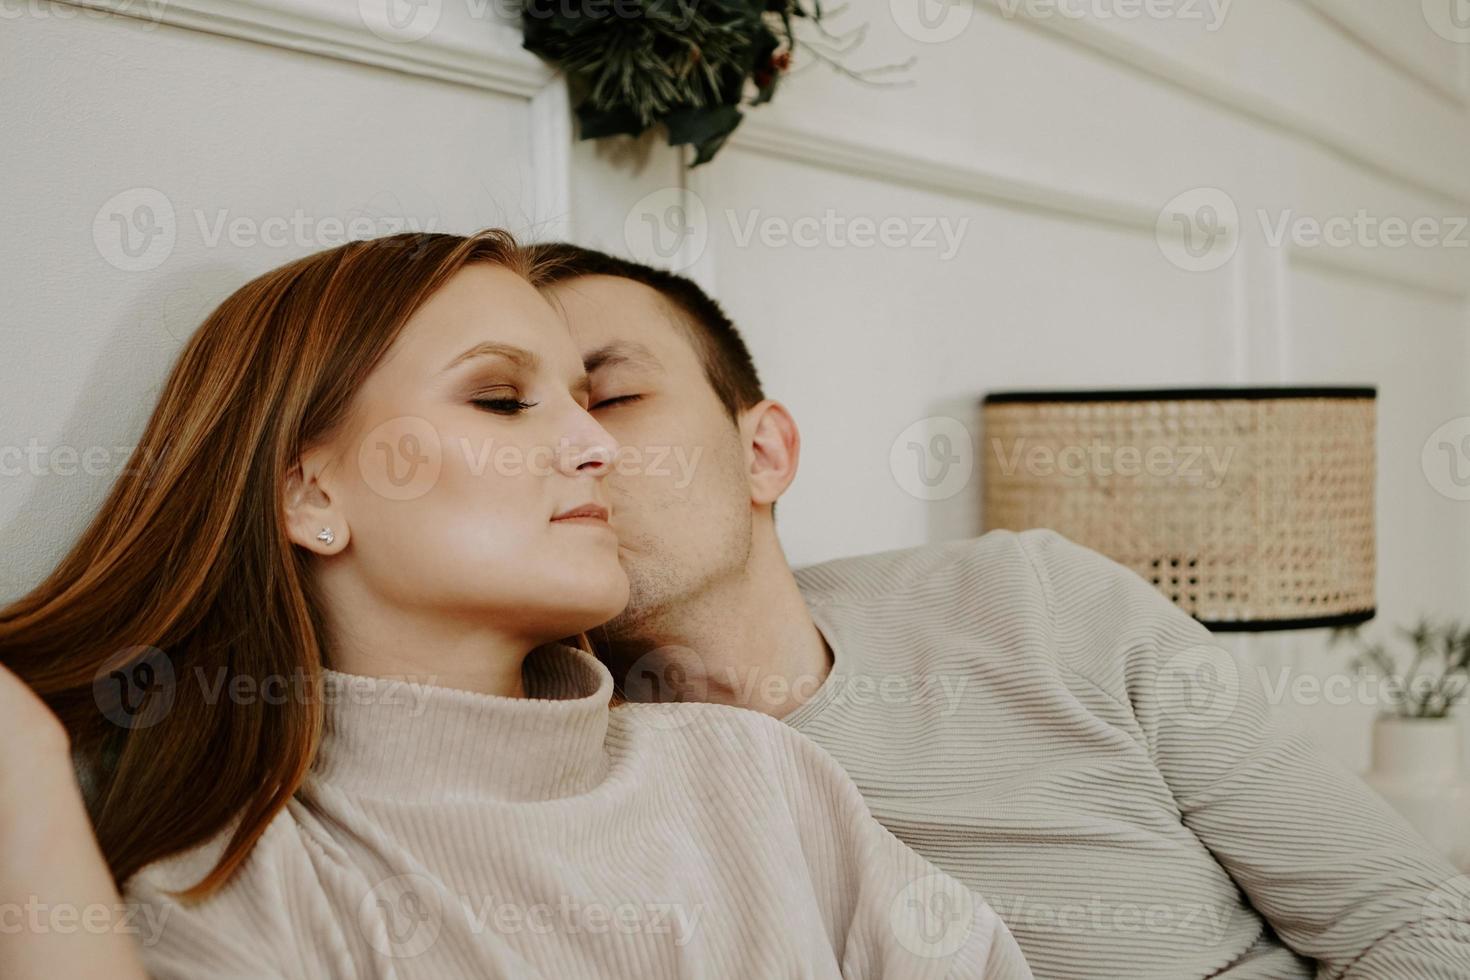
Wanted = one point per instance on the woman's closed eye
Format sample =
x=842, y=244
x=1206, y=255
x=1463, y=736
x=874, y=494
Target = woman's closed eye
x=502, y=402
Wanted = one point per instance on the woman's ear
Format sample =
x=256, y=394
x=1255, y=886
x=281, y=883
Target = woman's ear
x=314, y=521
x=774, y=450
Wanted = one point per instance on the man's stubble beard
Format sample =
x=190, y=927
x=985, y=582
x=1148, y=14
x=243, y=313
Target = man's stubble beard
x=666, y=590
x=668, y=584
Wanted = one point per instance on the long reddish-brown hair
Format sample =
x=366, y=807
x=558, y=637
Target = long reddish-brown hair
x=187, y=567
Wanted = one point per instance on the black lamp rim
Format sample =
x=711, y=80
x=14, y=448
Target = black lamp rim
x=1240, y=393
x=1354, y=618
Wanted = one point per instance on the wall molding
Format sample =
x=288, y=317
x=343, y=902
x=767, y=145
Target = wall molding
x=1215, y=90
x=1343, y=17
x=1452, y=289
x=551, y=161
x=864, y=160
x=492, y=61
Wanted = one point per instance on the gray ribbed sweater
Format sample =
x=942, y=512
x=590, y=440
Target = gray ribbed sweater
x=1044, y=725
x=447, y=834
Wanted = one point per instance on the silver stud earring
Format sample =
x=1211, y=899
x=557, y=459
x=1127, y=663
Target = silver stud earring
x=326, y=536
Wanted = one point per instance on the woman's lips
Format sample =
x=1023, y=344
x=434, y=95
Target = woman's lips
x=593, y=514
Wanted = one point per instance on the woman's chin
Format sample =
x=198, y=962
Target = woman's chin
x=593, y=605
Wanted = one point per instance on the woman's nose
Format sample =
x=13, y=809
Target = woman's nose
x=593, y=448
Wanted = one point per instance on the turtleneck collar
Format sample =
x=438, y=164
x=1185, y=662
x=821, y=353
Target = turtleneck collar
x=393, y=739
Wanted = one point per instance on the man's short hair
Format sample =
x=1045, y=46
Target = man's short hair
x=727, y=361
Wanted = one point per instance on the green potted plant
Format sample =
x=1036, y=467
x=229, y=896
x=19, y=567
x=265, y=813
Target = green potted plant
x=1416, y=756
x=690, y=66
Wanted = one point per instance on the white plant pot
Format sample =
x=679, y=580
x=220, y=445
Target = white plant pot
x=1417, y=769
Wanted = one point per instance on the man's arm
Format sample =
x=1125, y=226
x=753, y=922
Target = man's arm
x=1339, y=875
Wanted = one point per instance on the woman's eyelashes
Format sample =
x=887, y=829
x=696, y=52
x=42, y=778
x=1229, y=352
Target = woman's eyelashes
x=508, y=399
x=502, y=402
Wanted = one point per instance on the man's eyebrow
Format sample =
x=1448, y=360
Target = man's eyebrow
x=619, y=352
x=517, y=355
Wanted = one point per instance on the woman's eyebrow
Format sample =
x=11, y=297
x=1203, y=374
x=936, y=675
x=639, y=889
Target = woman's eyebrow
x=619, y=352
x=517, y=355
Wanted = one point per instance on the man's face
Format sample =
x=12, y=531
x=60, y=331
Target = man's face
x=680, y=495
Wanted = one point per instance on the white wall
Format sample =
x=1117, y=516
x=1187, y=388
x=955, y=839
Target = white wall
x=1054, y=142
x=222, y=158
x=1061, y=141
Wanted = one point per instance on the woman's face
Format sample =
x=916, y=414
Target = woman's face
x=467, y=444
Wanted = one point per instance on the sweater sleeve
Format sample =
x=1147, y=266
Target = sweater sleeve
x=241, y=932
x=1339, y=875
x=889, y=911
x=190, y=944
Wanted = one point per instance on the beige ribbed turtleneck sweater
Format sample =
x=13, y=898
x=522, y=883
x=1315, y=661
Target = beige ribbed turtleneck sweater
x=444, y=833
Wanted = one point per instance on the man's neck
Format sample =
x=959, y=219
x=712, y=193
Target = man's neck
x=749, y=641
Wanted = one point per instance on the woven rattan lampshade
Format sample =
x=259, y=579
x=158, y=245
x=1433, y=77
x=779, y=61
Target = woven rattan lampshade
x=1250, y=508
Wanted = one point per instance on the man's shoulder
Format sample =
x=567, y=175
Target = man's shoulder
x=1009, y=599
x=1021, y=556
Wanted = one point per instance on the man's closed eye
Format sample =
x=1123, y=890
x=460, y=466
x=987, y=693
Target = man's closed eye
x=618, y=400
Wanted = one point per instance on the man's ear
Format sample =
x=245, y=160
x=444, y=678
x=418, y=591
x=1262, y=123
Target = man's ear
x=310, y=509
x=773, y=450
